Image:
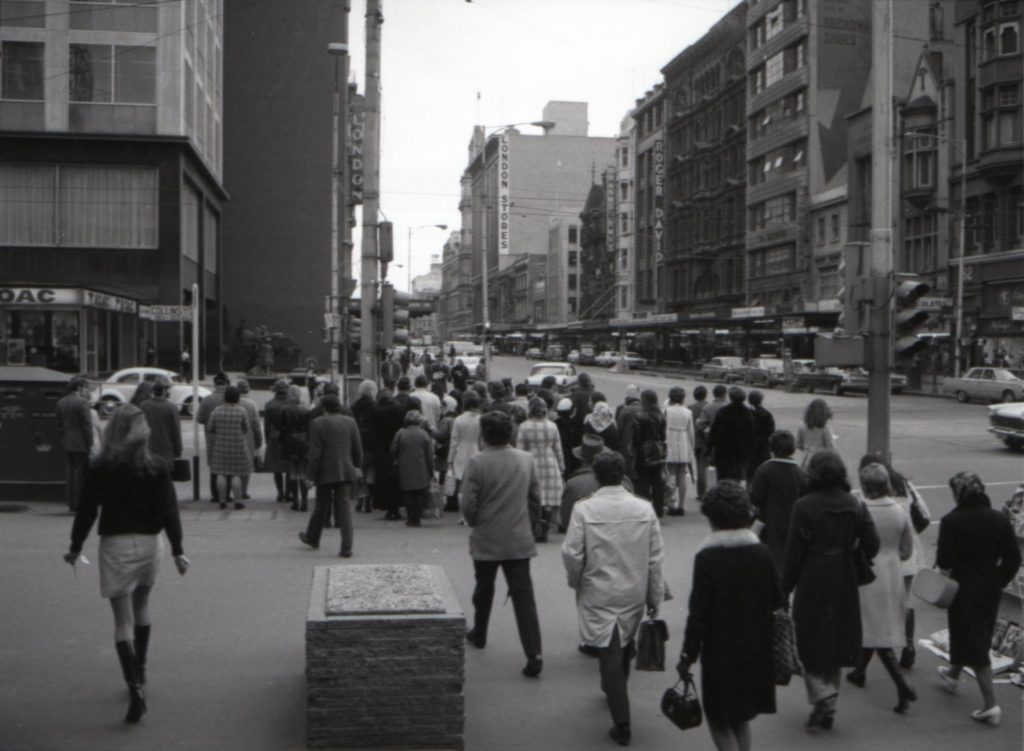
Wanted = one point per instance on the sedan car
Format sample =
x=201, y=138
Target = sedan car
x=767, y=371
x=564, y=373
x=632, y=359
x=534, y=353
x=841, y=381
x=719, y=368
x=1007, y=422
x=118, y=389
x=605, y=358
x=985, y=384
x=573, y=356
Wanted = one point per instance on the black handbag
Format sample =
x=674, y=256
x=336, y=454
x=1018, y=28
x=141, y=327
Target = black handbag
x=786, y=662
x=650, y=645
x=181, y=470
x=682, y=705
x=653, y=452
x=917, y=517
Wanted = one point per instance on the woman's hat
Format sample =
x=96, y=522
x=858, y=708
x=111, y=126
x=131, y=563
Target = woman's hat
x=565, y=405
x=592, y=446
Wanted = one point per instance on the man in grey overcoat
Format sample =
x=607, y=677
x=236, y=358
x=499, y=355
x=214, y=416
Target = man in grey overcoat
x=75, y=427
x=501, y=503
x=335, y=461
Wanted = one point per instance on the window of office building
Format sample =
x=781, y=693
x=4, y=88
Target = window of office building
x=624, y=223
x=836, y=228
x=573, y=258
x=919, y=243
x=773, y=22
x=114, y=15
x=112, y=74
x=572, y=282
x=78, y=206
x=820, y=222
x=775, y=68
x=919, y=161
x=21, y=71
x=573, y=233
x=1001, y=115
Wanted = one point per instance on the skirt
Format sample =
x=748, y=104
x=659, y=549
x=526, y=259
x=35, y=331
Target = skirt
x=128, y=561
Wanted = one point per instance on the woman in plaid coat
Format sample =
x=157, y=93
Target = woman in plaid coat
x=232, y=455
x=539, y=436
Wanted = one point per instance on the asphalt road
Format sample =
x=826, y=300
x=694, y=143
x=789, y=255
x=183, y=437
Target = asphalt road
x=227, y=657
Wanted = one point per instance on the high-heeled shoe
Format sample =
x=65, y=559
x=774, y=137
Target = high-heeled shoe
x=948, y=682
x=992, y=716
x=907, y=694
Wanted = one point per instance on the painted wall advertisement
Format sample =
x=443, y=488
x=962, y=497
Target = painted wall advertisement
x=504, y=196
x=843, y=69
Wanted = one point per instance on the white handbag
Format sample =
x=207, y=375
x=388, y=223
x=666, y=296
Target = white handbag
x=934, y=588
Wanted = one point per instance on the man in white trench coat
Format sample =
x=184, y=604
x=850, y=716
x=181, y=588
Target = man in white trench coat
x=612, y=553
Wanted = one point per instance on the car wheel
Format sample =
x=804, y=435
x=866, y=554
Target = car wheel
x=1017, y=444
x=837, y=389
x=1008, y=396
x=961, y=396
x=186, y=408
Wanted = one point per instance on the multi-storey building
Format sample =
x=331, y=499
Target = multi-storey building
x=455, y=314
x=625, y=280
x=648, y=206
x=518, y=183
x=110, y=181
x=277, y=167
x=562, y=282
x=599, y=223
x=705, y=94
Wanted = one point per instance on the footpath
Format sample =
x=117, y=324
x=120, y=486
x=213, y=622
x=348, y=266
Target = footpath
x=226, y=667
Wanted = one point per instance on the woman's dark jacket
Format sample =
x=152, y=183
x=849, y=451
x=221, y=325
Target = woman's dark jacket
x=827, y=525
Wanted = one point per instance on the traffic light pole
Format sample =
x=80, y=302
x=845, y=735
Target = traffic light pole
x=879, y=341
x=371, y=193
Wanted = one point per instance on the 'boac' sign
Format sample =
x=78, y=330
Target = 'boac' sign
x=27, y=296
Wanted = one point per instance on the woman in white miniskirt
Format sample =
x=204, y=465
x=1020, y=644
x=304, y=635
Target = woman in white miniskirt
x=136, y=495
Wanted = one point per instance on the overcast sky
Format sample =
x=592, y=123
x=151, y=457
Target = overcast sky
x=518, y=54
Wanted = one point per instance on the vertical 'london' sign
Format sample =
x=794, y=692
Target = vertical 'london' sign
x=504, y=195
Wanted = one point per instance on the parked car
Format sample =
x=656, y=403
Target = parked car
x=534, y=353
x=1007, y=422
x=856, y=380
x=719, y=368
x=120, y=386
x=766, y=371
x=573, y=356
x=985, y=384
x=605, y=358
x=555, y=352
x=471, y=362
x=564, y=373
x=632, y=359
x=841, y=381
x=588, y=354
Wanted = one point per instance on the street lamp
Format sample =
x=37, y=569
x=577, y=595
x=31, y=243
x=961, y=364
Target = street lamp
x=546, y=125
x=961, y=144
x=339, y=51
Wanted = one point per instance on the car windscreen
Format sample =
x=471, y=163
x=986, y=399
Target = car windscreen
x=548, y=370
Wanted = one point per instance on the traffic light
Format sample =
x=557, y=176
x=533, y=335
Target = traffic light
x=908, y=317
x=354, y=330
x=853, y=270
x=385, y=238
x=394, y=318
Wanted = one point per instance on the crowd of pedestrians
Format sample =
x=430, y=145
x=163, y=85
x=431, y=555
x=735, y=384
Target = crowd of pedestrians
x=517, y=465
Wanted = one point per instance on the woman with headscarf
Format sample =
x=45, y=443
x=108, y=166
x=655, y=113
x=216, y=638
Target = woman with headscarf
x=539, y=436
x=273, y=459
x=566, y=432
x=601, y=421
x=413, y=449
x=132, y=492
x=978, y=549
x=362, y=411
x=904, y=493
x=232, y=452
x=883, y=601
x=465, y=440
x=295, y=446
x=648, y=446
x=828, y=526
x=679, y=441
x=814, y=434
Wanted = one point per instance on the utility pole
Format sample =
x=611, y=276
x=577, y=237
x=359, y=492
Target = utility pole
x=879, y=349
x=339, y=50
x=371, y=193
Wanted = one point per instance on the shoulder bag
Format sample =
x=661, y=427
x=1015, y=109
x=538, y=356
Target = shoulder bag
x=682, y=705
x=917, y=518
x=787, y=663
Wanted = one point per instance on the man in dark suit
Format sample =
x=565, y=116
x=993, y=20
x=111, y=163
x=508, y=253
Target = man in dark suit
x=731, y=439
x=75, y=425
x=335, y=461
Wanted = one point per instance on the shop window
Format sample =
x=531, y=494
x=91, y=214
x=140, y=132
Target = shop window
x=21, y=71
x=112, y=74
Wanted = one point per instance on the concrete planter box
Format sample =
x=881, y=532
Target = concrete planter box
x=385, y=656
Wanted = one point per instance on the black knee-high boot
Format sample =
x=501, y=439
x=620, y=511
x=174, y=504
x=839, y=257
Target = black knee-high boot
x=905, y=693
x=279, y=484
x=130, y=668
x=858, y=674
x=304, y=493
x=141, y=647
x=293, y=492
x=909, y=653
